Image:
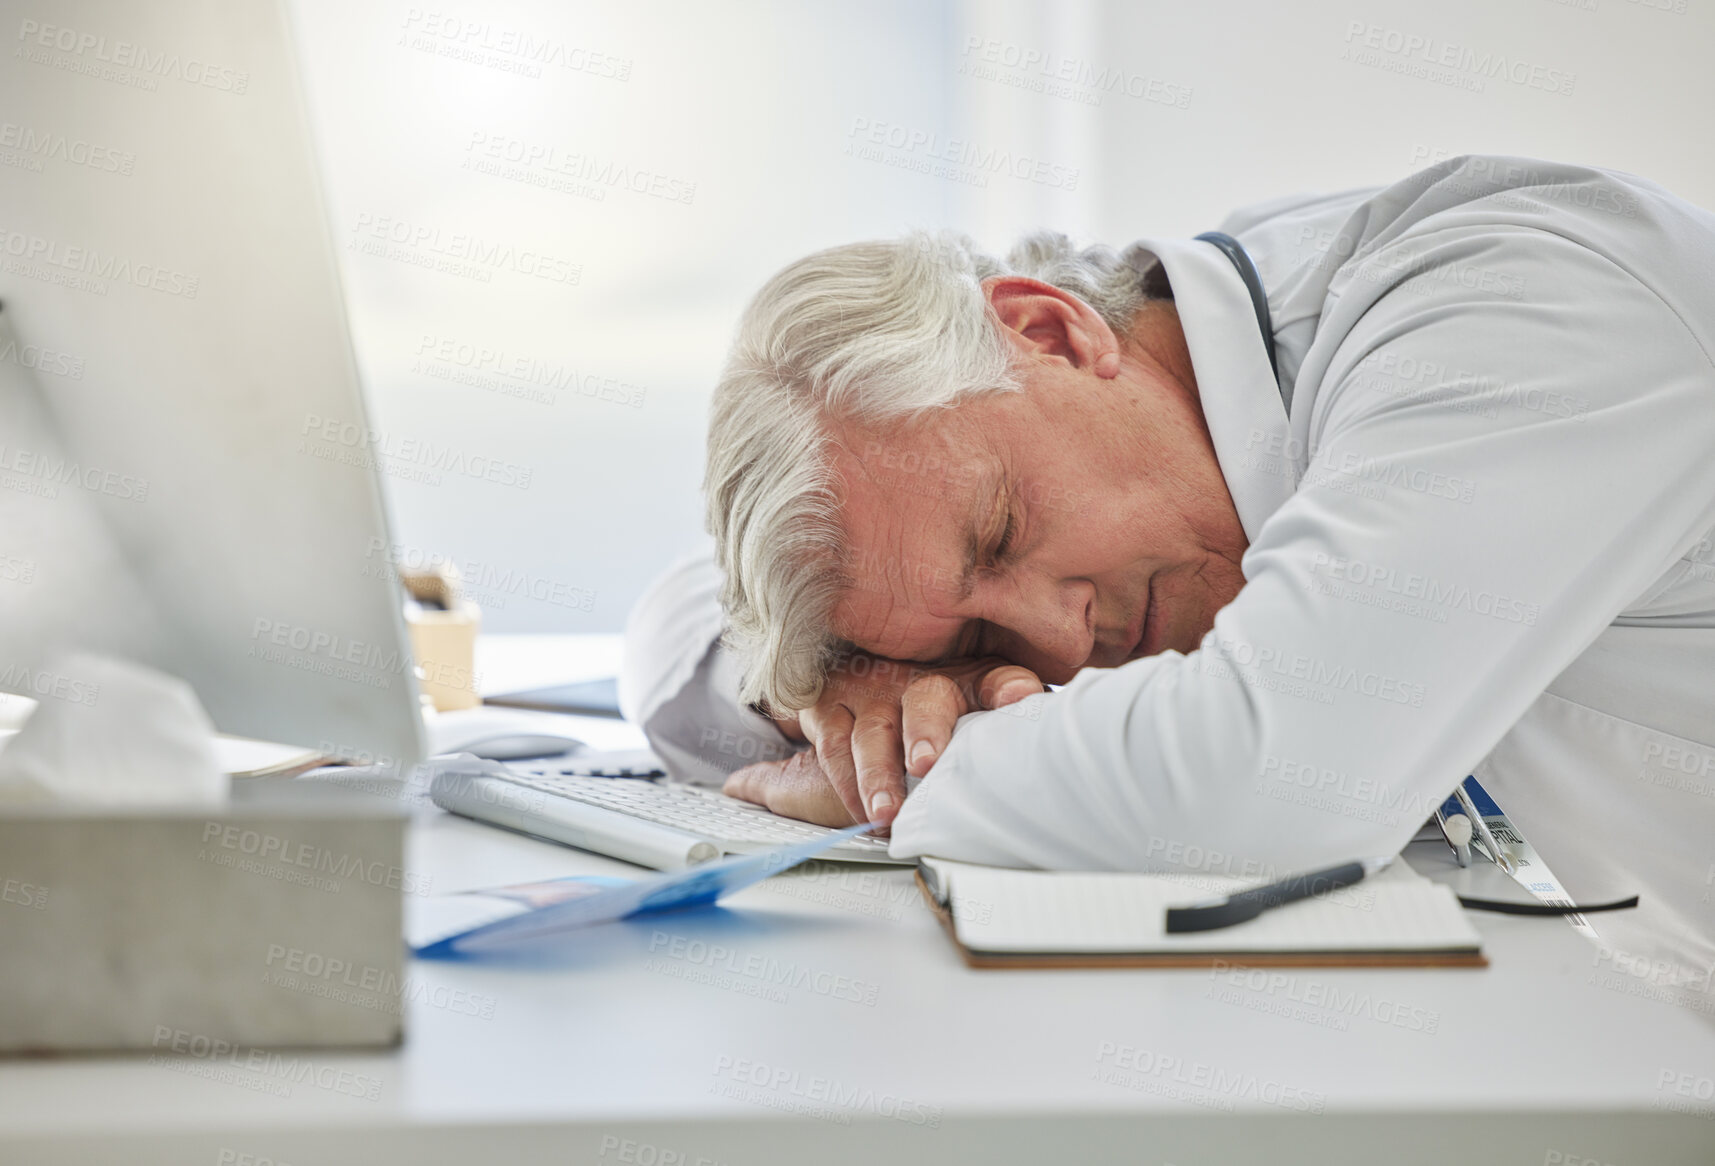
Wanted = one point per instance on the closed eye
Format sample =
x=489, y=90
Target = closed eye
x=1004, y=546
x=1007, y=535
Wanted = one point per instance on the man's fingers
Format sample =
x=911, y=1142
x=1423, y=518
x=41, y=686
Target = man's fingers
x=1006, y=684
x=795, y=788
x=879, y=757
x=830, y=731
x=931, y=706
x=867, y=735
x=750, y=783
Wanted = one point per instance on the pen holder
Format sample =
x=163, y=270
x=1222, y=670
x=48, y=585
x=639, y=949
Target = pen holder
x=443, y=628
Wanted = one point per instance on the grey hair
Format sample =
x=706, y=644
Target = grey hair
x=871, y=333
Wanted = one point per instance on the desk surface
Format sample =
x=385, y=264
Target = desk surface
x=822, y=1016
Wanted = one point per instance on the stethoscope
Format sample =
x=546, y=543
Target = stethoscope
x=1235, y=251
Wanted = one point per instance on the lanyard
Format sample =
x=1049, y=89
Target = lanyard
x=1235, y=251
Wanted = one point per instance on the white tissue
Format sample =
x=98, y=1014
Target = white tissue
x=109, y=732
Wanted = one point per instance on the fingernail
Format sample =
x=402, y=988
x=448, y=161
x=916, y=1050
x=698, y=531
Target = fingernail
x=921, y=751
x=880, y=802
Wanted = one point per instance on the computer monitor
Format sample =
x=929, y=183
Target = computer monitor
x=188, y=474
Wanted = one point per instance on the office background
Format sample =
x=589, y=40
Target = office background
x=550, y=216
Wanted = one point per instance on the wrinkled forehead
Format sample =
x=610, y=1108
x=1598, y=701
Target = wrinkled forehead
x=911, y=500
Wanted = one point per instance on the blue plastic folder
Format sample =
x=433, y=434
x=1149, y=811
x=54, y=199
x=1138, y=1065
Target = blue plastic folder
x=584, y=903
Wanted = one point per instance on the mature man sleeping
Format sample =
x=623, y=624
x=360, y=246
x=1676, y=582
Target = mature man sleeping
x=1308, y=519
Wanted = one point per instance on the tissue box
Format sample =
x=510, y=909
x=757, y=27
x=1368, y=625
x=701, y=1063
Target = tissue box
x=275, y=920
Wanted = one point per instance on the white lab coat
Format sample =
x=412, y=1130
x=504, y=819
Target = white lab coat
x=1482, y=539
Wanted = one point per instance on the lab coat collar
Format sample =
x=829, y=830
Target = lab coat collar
x=1240, y=397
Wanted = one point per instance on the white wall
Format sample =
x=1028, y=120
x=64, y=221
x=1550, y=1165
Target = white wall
x=1280, y=107
x=760, y=117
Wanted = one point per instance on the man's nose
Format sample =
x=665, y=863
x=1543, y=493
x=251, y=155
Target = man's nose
x=1056, y=617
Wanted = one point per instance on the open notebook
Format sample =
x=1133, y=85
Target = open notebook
x=1023, y=918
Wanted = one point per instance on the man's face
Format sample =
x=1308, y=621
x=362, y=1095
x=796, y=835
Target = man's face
x=1081, y=522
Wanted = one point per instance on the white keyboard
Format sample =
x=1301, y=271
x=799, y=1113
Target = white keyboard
x=666, y=825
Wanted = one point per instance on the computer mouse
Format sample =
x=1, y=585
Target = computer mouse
x=516, y=733
x=522, y=746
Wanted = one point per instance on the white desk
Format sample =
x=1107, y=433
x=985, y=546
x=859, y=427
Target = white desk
x=642, y=1047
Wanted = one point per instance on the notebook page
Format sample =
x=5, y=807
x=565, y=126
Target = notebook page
x=1000, y=910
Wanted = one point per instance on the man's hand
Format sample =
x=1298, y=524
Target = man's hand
x=795, y=788
x=874, y=718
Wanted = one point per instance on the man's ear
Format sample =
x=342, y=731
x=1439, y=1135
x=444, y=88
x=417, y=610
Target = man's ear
x=1043, y=320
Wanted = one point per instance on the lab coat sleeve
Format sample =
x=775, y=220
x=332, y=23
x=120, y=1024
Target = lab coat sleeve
x=1245, y=218
x=1487, y=478
x=679, y=685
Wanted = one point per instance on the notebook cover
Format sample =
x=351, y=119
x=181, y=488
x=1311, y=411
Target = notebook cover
x=1320, y=959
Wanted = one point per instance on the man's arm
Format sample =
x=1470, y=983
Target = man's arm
x=1450, y=549
x=681, y=687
